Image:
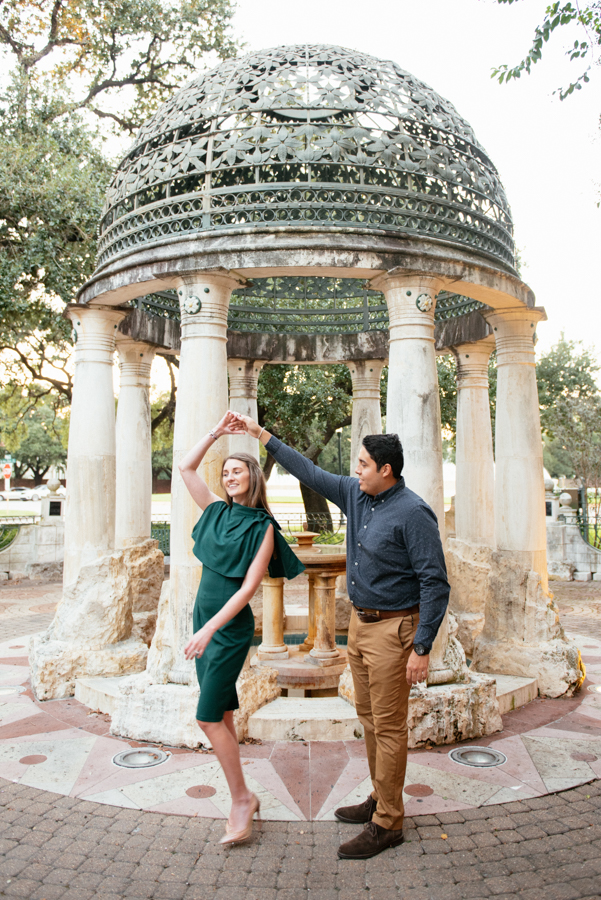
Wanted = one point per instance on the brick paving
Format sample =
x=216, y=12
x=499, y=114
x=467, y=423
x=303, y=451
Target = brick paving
x=59, y=848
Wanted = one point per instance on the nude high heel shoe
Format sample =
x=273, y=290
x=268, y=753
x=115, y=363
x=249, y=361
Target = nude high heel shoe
x=238, y=837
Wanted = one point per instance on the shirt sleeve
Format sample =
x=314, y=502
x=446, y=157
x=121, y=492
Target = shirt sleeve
x=424, y=546
x=335, y=488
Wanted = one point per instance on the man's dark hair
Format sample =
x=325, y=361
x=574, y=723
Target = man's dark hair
x=385, y=448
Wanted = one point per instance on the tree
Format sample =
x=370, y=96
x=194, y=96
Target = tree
x=587, y=18
x=576, y=424
x=119, y=60
x=566, y=371
x=37, y=444
x=73, y=62
x=303, y=406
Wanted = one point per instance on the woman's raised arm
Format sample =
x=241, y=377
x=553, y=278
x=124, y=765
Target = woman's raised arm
x=198, y=489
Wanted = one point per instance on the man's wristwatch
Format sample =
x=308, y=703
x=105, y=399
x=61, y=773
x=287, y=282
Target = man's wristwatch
x=421, y=650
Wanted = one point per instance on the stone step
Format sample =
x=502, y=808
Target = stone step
x=99, y=693
x=514, y=691
x=300, y=719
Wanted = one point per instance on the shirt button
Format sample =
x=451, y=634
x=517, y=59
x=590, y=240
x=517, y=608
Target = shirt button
x=372, y=509
x=352, y=582
x=358, y=543
x=356, y=563
x=365, y=526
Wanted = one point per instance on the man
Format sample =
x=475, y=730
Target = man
x=397, y=583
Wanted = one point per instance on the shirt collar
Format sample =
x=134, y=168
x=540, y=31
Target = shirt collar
x=391, y=491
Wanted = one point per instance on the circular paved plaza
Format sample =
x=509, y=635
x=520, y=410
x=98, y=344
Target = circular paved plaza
x=58, y=846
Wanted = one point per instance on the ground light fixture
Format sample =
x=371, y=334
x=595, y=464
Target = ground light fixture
x=11, y=689
x=140, y=758
x=595, y=688
x=481, y=757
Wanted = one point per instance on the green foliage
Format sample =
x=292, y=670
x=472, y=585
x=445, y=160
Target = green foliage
x=566, y=371
x=558, y=15
x=162, y=436
x=304, y=405
x=117, y=59
x=577, y=428
x=36, y=443
x=329, y=459
x=556, y=460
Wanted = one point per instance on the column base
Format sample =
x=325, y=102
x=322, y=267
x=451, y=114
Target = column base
x=323, y=660
x=264, y=654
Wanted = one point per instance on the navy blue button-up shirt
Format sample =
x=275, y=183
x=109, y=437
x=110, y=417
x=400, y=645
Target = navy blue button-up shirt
x=394, y=555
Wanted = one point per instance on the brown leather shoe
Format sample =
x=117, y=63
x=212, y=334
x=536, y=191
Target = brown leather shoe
x=357, y=815
x=372, y=840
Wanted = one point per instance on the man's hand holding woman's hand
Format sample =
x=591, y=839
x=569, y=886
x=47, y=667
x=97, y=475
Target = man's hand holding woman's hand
x=229, y=424
x=248, y=425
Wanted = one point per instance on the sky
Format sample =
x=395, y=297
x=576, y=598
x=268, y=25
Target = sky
x=548, y=152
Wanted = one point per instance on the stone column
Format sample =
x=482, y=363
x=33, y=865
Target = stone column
x=522, y=634
x=413, y=412
x=202, y=400
x=309, y=641
x=325, y=651
x=272, y=646
x=519, y=480
x=244, y=378
x=90, y=512
x=468, y=552
x=367, y=418
x=134, y=463
x=475, y=478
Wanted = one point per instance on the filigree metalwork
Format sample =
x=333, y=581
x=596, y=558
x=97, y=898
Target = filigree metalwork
x=308, y=305
x=307, y=136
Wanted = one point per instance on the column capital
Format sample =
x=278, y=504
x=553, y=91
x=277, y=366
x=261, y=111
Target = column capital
x=472, y=363
x=204, y=301
x=514, y=330
x=95, y=331
x=366, y=375
x=411, y=301
x=135, y=361
x=244, y=377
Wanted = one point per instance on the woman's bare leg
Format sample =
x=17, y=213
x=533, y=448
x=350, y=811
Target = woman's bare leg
x=226, y=748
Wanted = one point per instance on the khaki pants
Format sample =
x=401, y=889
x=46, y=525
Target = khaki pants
x=378, y=653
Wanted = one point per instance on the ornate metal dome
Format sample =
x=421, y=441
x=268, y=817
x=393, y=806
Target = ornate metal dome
x=307, y=137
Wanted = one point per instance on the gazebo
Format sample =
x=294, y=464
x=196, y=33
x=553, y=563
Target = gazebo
x=306, y=204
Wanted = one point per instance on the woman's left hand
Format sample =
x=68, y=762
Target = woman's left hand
x=198, y=643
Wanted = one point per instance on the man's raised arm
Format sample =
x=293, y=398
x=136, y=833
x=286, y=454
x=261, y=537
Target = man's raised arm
x=333, y=487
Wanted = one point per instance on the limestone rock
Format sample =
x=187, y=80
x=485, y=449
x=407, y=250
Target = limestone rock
x=161, y=654
x=522, y=634
x=146, y=571
x=144, y=626
x=96, y=608
x=343, y=605
x=468, y=568
x=560, y=571
x=159, y=713
x=93, y=629
x=55, y=665
x=346, y=688
x=445, y=713
x=256, y=686
x=256, y=604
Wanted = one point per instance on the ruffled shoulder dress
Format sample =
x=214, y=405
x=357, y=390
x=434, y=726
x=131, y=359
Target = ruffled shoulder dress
x=226, y=541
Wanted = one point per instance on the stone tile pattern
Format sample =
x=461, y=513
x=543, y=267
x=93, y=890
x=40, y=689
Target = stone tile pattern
x=60, y=848
x=27, y=607
x=579, y=606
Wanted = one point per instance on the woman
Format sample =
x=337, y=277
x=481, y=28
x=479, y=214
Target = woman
x=236, y=542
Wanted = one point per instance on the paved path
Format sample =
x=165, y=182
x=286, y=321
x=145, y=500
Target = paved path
x=52, y=846
x=57, y=847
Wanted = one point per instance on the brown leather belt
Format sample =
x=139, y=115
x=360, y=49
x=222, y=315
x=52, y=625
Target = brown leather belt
x=375, y=615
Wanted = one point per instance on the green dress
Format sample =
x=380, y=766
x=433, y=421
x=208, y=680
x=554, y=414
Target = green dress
x=226, y=541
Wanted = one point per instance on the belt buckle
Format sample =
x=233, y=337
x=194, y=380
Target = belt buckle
x=367, y=617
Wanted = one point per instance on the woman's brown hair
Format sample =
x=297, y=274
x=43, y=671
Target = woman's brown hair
x=257, y=486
